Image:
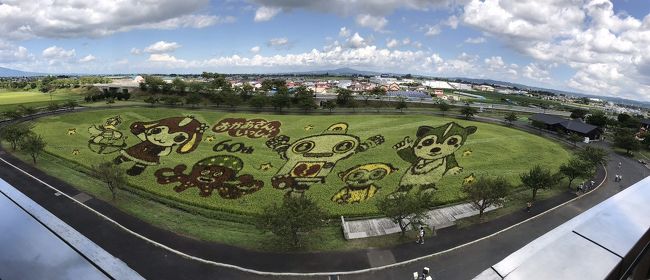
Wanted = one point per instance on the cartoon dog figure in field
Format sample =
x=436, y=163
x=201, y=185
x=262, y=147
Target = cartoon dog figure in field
x=159, y=139
x=360, y=182
x=310, y=159
x=431, y=155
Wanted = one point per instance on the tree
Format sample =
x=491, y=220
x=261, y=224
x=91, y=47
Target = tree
x=486, y=192
x=13, y=114
x=624, y=139
x=404, y=209
x=330, y=105
x=280, y=100
x=468, y=112
x=343, y=97
x=193, y=99
x=574, y=138
x=32, y=144
x=151, y=100
x=353, y=104
x=258, y=101
x=179, y=85
x=598, y=119
x=27, y=110
x=510, y=118
x=70, y=104
x=15, y=133
x=623, y=118
x=443, y=107
x=401, y=104
x=112, y=175
x=537, y=178
x=593, y=155
x=575, y=168
x=291, y=219
x=231, y=99
x=578, y=114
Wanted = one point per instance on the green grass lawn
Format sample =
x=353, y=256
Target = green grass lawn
x=9, y=100
x=495, y=150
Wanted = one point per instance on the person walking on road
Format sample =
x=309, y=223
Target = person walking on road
x=528, y=206
x=420, y=236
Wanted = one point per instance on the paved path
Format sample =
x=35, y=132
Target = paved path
x=438, y=218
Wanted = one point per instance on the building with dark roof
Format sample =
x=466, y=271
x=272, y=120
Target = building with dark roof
x=645, y=123
x=557, y=123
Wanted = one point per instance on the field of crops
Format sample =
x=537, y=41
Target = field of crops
x=239, y=162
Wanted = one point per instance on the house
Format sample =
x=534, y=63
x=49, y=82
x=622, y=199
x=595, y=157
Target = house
x=556, y=123
x=391, y=87
x=344, y=83
x=483, y=88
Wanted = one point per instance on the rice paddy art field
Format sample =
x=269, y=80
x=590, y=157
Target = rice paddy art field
x=240, y=162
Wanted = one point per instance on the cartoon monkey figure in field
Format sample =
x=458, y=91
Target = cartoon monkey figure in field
x=105, y=138
x=310, y=159
x=360, y=182
x=159, y=139
x=431, y=155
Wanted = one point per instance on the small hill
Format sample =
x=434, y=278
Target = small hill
x=6, y=72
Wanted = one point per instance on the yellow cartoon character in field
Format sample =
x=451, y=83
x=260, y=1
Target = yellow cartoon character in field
x=360, y=182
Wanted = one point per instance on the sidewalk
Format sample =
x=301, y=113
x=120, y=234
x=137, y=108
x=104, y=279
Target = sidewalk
x=438, y=218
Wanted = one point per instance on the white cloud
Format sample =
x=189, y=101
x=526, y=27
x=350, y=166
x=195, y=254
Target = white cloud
x=164, y=58
x=87, y=58
x=452, y=22
x=266, y=13
x=55, y=52
x=71, y=19
x=279, y=43
x=392, y=43
x=538, y=71
x=135, y=51
x=162, y=47
x=356, y=41
x=11, y=53
x=188, y=21
x=344, y=32
x=375, y=22
x=607, y=51
x=432, y=30
x=475, y=40
x=349, y=7
x=255, y=49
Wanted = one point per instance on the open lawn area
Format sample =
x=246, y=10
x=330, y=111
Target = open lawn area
x=237, y=162
x=9, y=100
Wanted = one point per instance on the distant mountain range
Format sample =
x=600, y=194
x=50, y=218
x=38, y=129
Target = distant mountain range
x=6, y=72
x=336, y=72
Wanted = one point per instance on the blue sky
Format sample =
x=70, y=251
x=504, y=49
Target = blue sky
x=592, y=46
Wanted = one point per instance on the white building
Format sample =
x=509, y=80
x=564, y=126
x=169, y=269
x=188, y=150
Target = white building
x=437, y=84
x=382, y=80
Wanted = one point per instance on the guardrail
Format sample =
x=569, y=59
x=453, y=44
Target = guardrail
x=608, y=241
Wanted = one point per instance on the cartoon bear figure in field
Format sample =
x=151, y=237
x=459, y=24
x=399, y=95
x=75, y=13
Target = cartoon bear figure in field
x=310, y=159
x=431, y=155
x=360, y=182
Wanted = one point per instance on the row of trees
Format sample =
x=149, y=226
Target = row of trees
x=21, y=136
x=21, y=110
